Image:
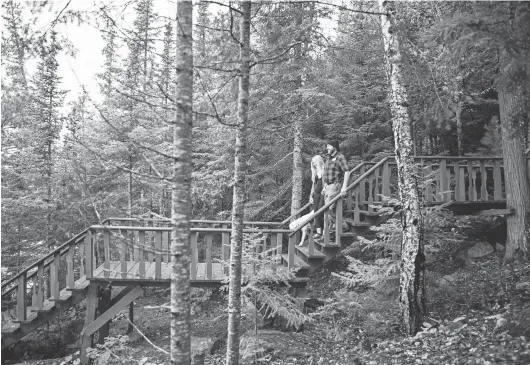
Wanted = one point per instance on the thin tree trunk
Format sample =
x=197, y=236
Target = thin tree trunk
x=412, y=279
x=511, y=105
x=459, y=132
x=296, y=195
x=236, y=249
x=181, y=190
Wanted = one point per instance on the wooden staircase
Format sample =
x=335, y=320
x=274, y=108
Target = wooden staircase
x=134, y=252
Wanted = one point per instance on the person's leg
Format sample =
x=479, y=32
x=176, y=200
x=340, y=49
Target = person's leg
x=318, y=203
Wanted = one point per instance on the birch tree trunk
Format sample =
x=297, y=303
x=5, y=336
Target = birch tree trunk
x=512, y=111
x=181, y=190
x=412, y=280
x=236, y=249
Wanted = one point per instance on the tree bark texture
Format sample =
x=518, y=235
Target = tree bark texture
x=512, y=111
x=181, y=191
x=236, y=249
x=296, y=193
x=412, y=279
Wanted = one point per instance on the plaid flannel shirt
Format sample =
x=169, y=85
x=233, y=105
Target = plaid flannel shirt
x=334, y=169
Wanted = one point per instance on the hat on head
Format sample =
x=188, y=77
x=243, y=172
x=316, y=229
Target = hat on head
x=334, y=143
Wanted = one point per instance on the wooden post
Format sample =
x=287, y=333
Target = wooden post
x=106, y=250
x=386, y=180
x=208, y=255
x=54, y=276
x=104, y=303
x=362, y=186
x=194, y=255
x=40, y=292
x=165, y=246
x=356, y=210
x=226, y=251
x=158, y=255
x=497, y=180
x=456, y=166
x=279, y=246
x=462, y=183
x=88, y=254
x=90, y=316
x=141, y=245
x=471, y=187
x=483, y=180
x=70, y=278
x=290, y=251
x=338, y=221
x=326, y=227
x=442, y=171
x=428, y=188
x=82, y=259
x=123, y=255
x=21, y=298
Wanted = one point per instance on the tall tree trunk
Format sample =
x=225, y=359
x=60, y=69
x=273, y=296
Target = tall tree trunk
x=459, y=132
x=412, y=279
x=236, y=249
x=512, y=110
x=296, y=196
x=181, y=190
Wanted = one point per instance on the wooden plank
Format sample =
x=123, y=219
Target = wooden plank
x=356, y=209
x=134, y=244
x=90, y=316
x=82, y=258
x=474, y=181
x=376, y=185
x=428, y=189
x=497, y=181
x=88, y=254
x=386, y=180
x=113, y=311
x=70, y=278
x=34, y=295
x=279, y=245
x=106, y=250
x=448, y=191
x=370, y=196
x=54, y=276
x=326, y=227
x=149, y=243
x=141, y=245
x=194, y=255
x=225, y=241
x=40, y=282
x=21, y=298
x=483, y=180
x=491, y=212
x=470, y=187
x=362, y=185
x=158, y=255
x=456, y=168
x=123, y=254
x=165, y=246
x=209, y=255
x=462, y=184
x=290, y=252
x=338, y=220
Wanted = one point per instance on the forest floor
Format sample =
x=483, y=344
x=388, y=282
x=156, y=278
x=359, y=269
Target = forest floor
x=479, y=313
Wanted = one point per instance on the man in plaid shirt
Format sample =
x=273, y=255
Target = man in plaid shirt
x=336, y=175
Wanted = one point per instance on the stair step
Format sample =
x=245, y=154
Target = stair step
x=80, y=285
x=64, y=296
x=10, y=328
x=298, y=262
x=47, y=307
x=29, y=319
x=315, y=255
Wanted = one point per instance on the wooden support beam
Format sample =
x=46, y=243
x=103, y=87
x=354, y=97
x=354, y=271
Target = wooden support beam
x=104, y=303
x=90, y=316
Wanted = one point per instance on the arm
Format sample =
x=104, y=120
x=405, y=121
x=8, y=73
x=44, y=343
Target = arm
x=346, y=179
x=344, y=166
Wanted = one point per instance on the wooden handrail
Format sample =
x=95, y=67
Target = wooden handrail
x=205, y=221
x=192, y=229
x=339, y=196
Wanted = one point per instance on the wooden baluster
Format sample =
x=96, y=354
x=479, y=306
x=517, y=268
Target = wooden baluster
x=370, y=196
x=194, y=255
x=35, y=295
x=123, y=254
x=273, y=249
x=483, y=180
x=54, y=276
x=456, y=167
x=338, y=221
x=82, y=257
x=290, y=252
x=474, y=180
x=356, y=209
x=226, y=250
x=448, y=191
x=208, y=255
x=21, y=298
x=362, y=187
x=470, y=186
x=386, y=180
x=311, y=244
x=279, y=245
x=70, y=279
x=462, y=183
x=326, y=227
x=165, y=246
x=106, y=250
x=442, y=179
x=497, y=181
x=40, y=282
x=376, y=196
x=158, y=256
x=141, y=245
x=428, y=182
x=136, y=250
x=149, y=242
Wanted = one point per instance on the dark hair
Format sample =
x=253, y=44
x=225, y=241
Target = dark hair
x=334, y=143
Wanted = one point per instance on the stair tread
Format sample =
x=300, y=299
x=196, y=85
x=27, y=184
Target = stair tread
x=315, y=254
x=64, y=295
x=80, y=284
x=46, y=307
x=298, y=261
x=29, y=318
x=10, y=327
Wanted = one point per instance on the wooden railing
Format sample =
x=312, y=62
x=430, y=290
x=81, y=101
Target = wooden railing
x=142, y=253
x=441, y=178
